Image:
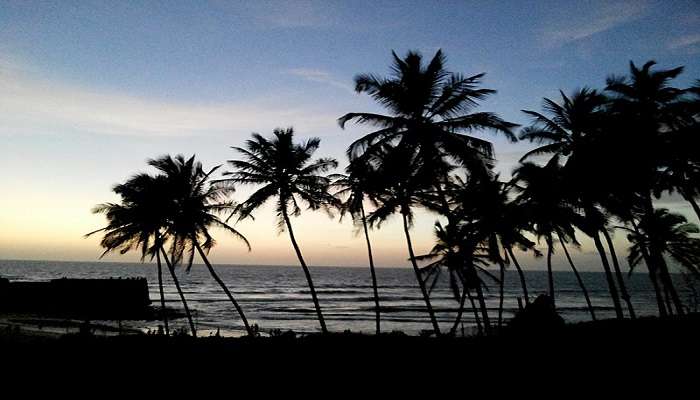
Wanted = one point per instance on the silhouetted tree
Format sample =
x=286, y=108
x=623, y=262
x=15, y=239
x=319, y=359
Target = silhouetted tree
x=354, y=188
x=571, y=129
x=429, y=111
x=457, y=250
x=669, y=234
x=647, y=110
x=287, y=173
x=139, y=221
x=405, y=180
x=550, y=213
x=197, y=206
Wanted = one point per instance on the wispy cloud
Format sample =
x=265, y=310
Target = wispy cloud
x=319, y=76
x=600, y=18
x=686, y=42
x=293, y=14
x=29, y=104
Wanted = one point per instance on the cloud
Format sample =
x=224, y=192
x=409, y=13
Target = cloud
x=319, y=76
x=687, y=42
x=606, y=16
x=293, y=14
x=34, y=105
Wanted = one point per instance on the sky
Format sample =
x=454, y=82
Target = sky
x=90, y=90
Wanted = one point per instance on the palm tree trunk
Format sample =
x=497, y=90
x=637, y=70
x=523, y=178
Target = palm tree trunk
x=501, y=284
x=462, y=300
x=162, y=295
x=652, y=274
x=521, y=274
x=608, y=276
x=578, y=277
x=475, y=310
x=484, y=310
x=618, y=274
x=307, y=273
x=550, y=275
x=416, y=270
x=371, y=269
x=193, y=330
x=692, y=202
x=223, y=286
x=668, y=284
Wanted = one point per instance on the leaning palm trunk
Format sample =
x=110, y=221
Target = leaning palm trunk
x=460, y=311
x=371, y=269
x=578, y=277
x=466, y=293
x=652, y=274
x=162, y=295
x=474, y=310
x=608, y=276
x=501, y=283
x=484, y=309
x=307, y=273
x=550, y=275
x=223, y=286
x=668, y=284
x=521, y=274
x=618, y=274
x=176, y=281
x=416, y=270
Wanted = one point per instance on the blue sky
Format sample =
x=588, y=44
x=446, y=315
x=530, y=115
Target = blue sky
x=90, y=90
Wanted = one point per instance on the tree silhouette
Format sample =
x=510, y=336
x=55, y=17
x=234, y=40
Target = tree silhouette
x=359, y=184
x=665, y=233
x=645, y=110
x=572, y=129
x=405, y=181
x=140, y=220
x=197, y=204
x=550, y=213
x=457, y=250
x=288, y=174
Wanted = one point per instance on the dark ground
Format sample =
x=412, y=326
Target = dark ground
x=639, y=345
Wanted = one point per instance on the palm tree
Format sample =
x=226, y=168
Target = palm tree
x=138, y=221
x=550, y=213
x=405, y=180
x=429, y=112
x=288, y=174
x=647, y=110
x=457, y=250
x=197, y=204
x=355, y=187
x=668, y=234
x=573, y=129
x=483, y=201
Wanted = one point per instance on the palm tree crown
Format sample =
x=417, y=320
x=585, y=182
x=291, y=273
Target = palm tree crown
x=286, y=172
x=428, y=108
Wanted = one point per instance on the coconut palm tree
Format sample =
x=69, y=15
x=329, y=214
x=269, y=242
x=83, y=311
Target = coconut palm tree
x=428, y=111
x=287, y=173
x=667, y=234
x=457, y=250
x=572, y=129
x=566, y=126
x=139, y=221
x=647, y=110
x=354, y=188
x=197, y=206
x=405, y=180
x=550, y=213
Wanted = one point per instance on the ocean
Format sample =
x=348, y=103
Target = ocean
x=277, y=297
